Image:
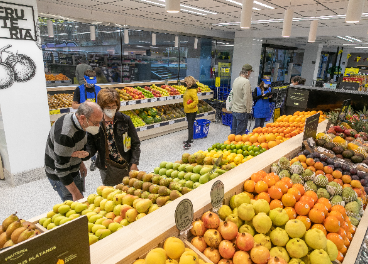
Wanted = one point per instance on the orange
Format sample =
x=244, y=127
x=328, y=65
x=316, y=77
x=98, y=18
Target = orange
x=256, y=177
x=345, y=226
x=261, y=186
x=304, y=165
x=352, y=229
x=300, y=187
x=346, y=242
x=295, y=192
x=317, y=216
x=270, y=180
x=337, y=174
x=261, y=139
x=346, y=179
x=287, y=181
x=326, y=202
x=340, y=257
x=293, y=160
x=249, y=186
x=231, y=137
x=342, y=233
x=336, y=239
x=346, y=185
x=272, y=144
x=251, y=196
x=264, y=145
x=339, y=216
x=320, y=227
x=321, y=207
x=318, y=165
x=275, y=192
x=358, y=192
x=276, y=204
x=302, y=158
x=343, y=250
x=312, y=168
x=339, y=181
x=253, y=139
x=320, y=172
x=276, y=177
x=245, y=138
x=302, y=208
x=306, y=221
x=283, y=186
x=310, y=162
x=312, y=195
x=291, y=212
x=238, y=138
x=340, y=209
x=264, y=196
x=263, y=173
x=327, y=169
x=308, y=200
x=288, y=199
x=349, y=236
x=332, y=224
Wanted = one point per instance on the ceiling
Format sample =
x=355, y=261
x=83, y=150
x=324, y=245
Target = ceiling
x=218, y=18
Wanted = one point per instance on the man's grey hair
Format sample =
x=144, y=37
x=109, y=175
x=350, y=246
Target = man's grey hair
x=87, y=109
x=244, y=72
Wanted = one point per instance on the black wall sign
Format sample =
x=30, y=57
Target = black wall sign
x=17, y=21
x=297, y=98
x=311, y=124
x=350, y=86
x=67, y=243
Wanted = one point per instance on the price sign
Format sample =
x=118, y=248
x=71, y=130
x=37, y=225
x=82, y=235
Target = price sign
x=55, y=112
x=132, y=102
x=169, y=98
x=218, y=82
x=123, y=103
x=217, y=194
x=205, y=114
x=144, y=101
x=209, y=93
x=276, y=114
x=311, y=124
x=144, y=128
x=171, y=122
x=162, y=98
x=178, y=97
x=153, y=100
x=156, y=125
x=184, y=215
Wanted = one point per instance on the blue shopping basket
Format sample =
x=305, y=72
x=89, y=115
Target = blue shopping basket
x=201, y=128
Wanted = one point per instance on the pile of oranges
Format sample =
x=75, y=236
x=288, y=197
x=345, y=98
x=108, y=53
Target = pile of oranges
x=275, y=133
x=304, y=205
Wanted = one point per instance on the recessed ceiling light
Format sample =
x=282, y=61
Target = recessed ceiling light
x=264, y=5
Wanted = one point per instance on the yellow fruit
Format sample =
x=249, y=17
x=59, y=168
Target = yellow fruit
x=156, y=256
x=188, y=259
x=172, y=261
x=174, y=247
x=139, y=261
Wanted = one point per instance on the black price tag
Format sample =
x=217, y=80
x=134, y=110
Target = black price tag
x=217, y=194
x=184, y=215
x=297, y=98
x=344, y=110
x=311, y=124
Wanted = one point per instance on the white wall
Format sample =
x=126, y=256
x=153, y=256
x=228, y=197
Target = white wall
x=246, y=51
x=24, y=105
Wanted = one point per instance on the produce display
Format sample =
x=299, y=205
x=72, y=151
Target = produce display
x=171, y=90
x=58, y=77
x=162, y=91
x=203, y=88
x=124, y=96
x=137, y=121
x=145, y=92
x=14, y=230
x=57, y=101
x=180, y=88
x=155, y=92
x=134, y=93
x=173, y=251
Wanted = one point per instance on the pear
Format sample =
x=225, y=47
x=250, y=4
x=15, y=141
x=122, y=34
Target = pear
x=297, y=248
x=139, y=216
x=13, y=226
x=146, y=186
x=84, y=212
x=136, y=201
x=132, y=181
x=331, y=250
x=43, y=219
x=102, y=233
x=65, y=220
x=153, y=189
x=92, y=239
x=235, y=218
x=50, y=226
x=138, y=184
x=279, y=237
x=224, y=212
x=97, y=227
x=8, y=243
x=92, y=207
x=25, y=235
x=3, y=239
x=68, y=202
x=174, y=195
x=58, y=219
x=55, y=216
x=280, y=252
x=50, y=214
x=109, y=206
x=72, y=206
x=128, y=199
x=102, y=204
x=133, y=173
x=163, y=191
x=262, y=223
x=80, y=207
x=153, y=207
x=107, y=191
x=117, y=209
x=97, y=201
x=94, y=218
x=126, y=180
x=124, y=209
x=69, y=213
x=124, y=222
x=131, y=215
x=263, y=240
x=90, y=225
x=74, y=216
x=113, y=227
x=111, y=195
x=10, y=219
x=143, y=206
x=141, y=174
x=279, y=216
x=246, y=212
x=46, y=222
x=138, y=192
x=55, y=208
x=16, y=233
x=145, y=195
x=185, y=190
x=91, y=198
x=153, y=197
x=99, y=189
x=118, y=198
x=99, y=221
x=161, y=201
x=63, y=209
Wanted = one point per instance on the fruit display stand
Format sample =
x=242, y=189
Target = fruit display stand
x=137, y=239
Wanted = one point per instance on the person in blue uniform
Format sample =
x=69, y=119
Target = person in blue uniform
x=261, y=97
x=87, y=92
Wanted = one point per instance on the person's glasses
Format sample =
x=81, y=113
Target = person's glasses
x=93, y=123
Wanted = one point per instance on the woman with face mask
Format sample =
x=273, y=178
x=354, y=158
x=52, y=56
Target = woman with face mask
x=190, y=102
x=117, y=141
x=261, y=98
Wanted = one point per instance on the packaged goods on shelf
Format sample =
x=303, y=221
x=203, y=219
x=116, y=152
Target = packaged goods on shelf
x=60, y=100
x=56, y=77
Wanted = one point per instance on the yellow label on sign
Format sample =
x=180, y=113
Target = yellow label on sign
x=276, y=114
x=351, y=71
x=349, y=55
x=218, y=82
x=358, y=59
x=340, y=51
x=227, y=69
x=55, y=112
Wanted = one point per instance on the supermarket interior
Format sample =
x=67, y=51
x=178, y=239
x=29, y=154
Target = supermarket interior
x=246, y=120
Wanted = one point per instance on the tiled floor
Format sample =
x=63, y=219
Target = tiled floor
x=35, y=198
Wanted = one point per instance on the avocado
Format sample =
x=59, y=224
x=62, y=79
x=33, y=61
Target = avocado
x=356, y=159
x=329, y=145
x=347, y=154
x=337, y=150
x=365, y=162
x=321, y=142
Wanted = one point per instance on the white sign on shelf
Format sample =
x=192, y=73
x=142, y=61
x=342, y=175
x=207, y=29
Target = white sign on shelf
x=132, y=102
x=156, y=125
x=171, y=122
x=153, y=100
x=162, y=98
x=144, y=101
x=178, y=97
x=205, y=114
x=123, y=103
x=170, y=98
x=143, y=128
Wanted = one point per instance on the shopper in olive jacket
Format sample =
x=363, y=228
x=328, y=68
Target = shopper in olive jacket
x=190, y=102
x=117, y=142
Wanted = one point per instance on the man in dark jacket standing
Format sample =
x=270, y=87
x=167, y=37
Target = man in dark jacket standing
x=65, y=150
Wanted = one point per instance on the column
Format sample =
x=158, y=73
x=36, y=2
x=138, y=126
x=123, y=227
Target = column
x=23, y=96
x=311, y=60
x=247, y=50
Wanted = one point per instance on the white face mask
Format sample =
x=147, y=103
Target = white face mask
x=92, y=129
x=266, y=85
x=110, y=112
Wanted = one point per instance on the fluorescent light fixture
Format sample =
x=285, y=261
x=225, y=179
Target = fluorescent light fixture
x=354, y=12
x=255, y=8
x=176, y=41
x=199, y=9
x=172, y=6
x=313, y=31
x=234, y=2
x=346, y=44
x=288, y=23
x=361, y=47
x=192, y=12
x=92, y=30
x=345, y=39
x=246, y=14
x=195, y=43
x=50, y=28
x=154, y=3
x=126, y=36
x=153, y=39
x=264, y=5
x=358, y=40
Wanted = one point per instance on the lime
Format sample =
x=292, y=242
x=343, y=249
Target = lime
x=251, y=153
x=223, y=146
x=239, y=151
x=228, y=147
x=232, y=146
x=256, y=149
x=257, y=153
x=233, y=151
x=245, y=153
x=209, y=149
x=250, y=148
x=245, y=147
x=238, y=146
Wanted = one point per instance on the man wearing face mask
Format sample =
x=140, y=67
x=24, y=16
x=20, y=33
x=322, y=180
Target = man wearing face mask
x=261, y=98
x=66, y=150
x=117, y=142
x=87, y=91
